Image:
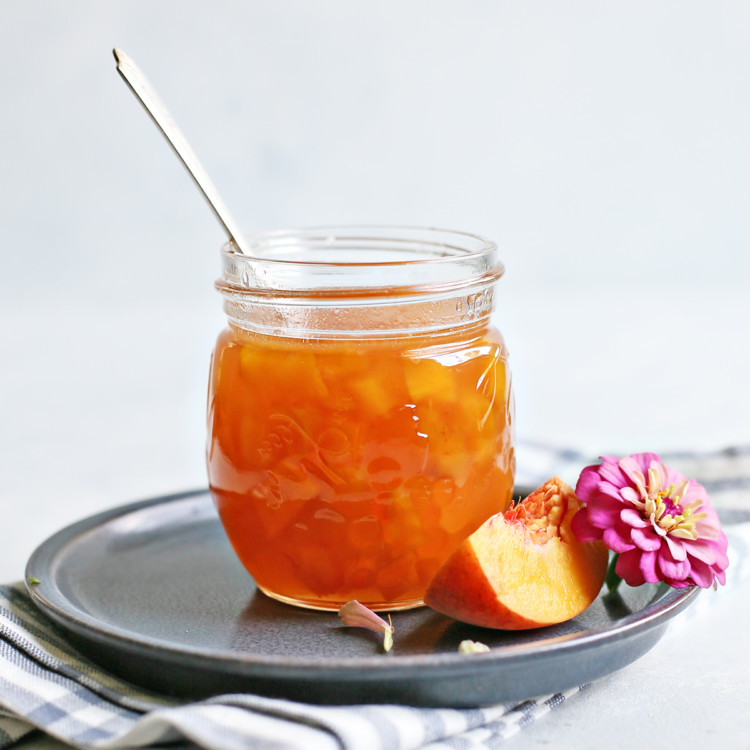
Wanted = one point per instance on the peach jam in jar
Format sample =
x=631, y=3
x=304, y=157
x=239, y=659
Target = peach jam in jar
x=360, y=415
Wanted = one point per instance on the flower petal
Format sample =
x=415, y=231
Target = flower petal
x=645, y=539
x=635, y=472
x=588, y=474
x=644, y=461
x=357, y=615
x=603, y=512
x=606, y=489
x=647, y=564
x=708, y=551
x=610, y=471
x=679, y=584
x=617, y=538
x=708, y=527
x=633, y=518
x=587, y=482
x=675, y=570
x=676, y=548
x=674, y=477
x=628, y=568
x=694, y=491
x=629, y=494
x=583, y=530
x=722, y=559
x=721, y=576
x=701, y=574
x=657, y=477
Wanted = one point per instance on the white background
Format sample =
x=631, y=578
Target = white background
x=604, y=146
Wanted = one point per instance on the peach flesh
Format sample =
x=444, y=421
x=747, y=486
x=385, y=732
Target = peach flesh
x=523, y=568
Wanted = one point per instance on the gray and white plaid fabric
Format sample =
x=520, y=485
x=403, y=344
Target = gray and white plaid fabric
x=47, y=686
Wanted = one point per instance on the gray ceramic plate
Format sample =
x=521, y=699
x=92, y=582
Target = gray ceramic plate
x=153, y=592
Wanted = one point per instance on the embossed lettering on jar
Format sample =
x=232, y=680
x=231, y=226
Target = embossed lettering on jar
x=360, y=413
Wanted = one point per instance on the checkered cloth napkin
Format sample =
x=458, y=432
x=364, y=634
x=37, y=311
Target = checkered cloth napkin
x=47, y=686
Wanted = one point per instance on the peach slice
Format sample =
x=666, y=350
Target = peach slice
x=523, y=568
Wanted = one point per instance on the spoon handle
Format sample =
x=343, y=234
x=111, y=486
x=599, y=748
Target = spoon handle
x=151, y=102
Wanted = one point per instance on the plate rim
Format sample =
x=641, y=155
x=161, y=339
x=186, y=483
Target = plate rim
x=658, y=612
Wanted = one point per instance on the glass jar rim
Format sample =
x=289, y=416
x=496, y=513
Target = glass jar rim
x=359, y=258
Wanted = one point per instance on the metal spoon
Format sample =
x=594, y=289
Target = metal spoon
x=143, y=90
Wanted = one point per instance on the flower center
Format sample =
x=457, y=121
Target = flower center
x=671, y=507
x=666, y=511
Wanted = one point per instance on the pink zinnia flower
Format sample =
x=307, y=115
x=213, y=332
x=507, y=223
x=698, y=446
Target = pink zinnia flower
x=660, y=524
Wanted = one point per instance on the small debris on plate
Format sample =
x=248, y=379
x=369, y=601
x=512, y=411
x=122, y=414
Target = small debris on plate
x=357, y=615
x=472, y=647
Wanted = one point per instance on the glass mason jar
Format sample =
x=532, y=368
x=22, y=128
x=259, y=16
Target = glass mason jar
x=360, y=415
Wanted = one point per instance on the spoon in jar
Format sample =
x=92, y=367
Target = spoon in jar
x=151, y=102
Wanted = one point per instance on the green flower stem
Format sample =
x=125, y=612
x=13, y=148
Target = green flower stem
x=612, y=580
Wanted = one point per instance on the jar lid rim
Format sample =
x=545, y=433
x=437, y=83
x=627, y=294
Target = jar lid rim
x=361, y=260
x=446, y=244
